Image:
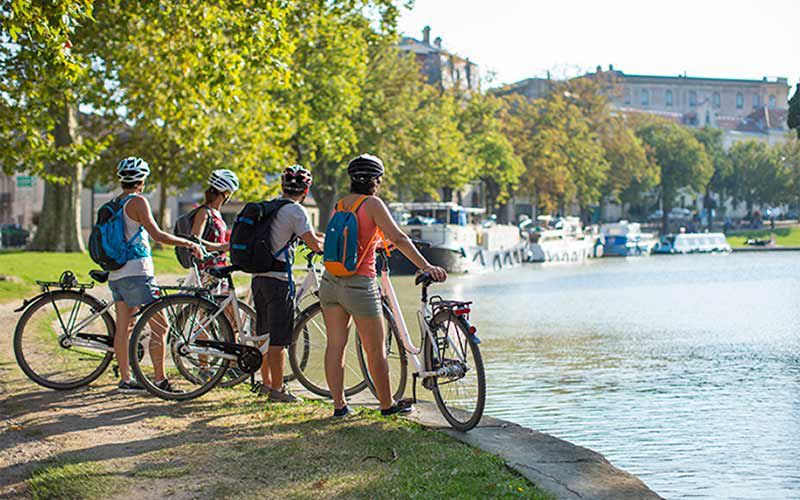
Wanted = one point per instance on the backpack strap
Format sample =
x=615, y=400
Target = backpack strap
x=357, y=204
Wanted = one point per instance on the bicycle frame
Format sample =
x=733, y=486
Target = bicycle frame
x=310, y=285
x=424, y=315
x=69, y=336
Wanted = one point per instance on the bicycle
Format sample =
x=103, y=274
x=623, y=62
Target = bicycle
x=448, y=340
x=61, y=347
x=309, y=340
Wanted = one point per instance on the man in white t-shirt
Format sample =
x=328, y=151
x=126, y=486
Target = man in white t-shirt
x=272, y=293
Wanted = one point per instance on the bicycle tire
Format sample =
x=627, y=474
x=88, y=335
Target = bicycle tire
x=43, y=301
x=396, y=355
x=301, y=351
x=225, y=334
x=459, y=418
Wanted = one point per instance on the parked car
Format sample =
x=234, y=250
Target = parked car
x=13, y=235
x=675, y=213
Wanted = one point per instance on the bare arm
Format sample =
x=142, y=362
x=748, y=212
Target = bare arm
x=199, y=227
x=313, y=240
x=138, y=209
x=383, y=219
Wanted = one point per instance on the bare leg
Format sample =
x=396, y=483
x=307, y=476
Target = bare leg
x=266, y=377
x=158, y=328
x=276, y=355
x=373, y=338
x=336, y=320
x=122, y=337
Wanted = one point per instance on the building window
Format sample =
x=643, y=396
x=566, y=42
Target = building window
x=717, y=101
x=772, y=101
x=756, y=101
x=739, y=100
x=668, y=98
x=645, y=98
x=692, y=98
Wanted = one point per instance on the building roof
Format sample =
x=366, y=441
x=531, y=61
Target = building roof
x=696, y=79
x=416, y=46
x=763, y=120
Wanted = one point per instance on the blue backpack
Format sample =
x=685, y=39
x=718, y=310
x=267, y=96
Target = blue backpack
x=340, y=253
x=108, y=246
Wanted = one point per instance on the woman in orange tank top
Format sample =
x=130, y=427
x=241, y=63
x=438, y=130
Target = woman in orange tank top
x=358, y=296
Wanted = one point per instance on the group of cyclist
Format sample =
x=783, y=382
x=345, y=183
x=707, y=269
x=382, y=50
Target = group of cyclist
x=341, y=297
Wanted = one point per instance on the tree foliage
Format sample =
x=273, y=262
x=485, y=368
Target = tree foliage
x=681, y=159
x=759, y=174
x=42, y=80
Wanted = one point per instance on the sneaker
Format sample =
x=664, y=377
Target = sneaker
x=398, y=408
x=130, y=386
x=264, y=390
x=344, y=411
x=165, y=386
x=283, y=396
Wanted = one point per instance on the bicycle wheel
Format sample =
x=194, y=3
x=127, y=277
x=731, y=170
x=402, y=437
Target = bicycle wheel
x=234, y=376
x=45, y=337
x=395, y=354
x=307, y=355
x=461, y=393
x=177, y=318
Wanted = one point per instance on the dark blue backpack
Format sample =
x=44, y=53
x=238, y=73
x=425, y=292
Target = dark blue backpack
x=108, y=246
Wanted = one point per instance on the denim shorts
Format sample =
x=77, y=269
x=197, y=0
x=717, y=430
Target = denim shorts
x=135, y=291
x=358, y=295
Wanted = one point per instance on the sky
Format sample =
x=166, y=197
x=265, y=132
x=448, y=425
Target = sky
x=518, y=39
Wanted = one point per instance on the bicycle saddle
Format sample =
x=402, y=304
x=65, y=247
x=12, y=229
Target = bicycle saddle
x=222, y=272
x=98, y=275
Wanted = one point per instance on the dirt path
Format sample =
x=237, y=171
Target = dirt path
x=39, y=425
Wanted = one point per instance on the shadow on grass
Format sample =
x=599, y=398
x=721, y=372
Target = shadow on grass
x=236, y=445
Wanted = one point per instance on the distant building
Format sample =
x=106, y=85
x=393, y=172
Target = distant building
x=442, y=68
x=745, y=109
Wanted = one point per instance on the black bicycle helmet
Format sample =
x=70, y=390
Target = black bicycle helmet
x=365, y=167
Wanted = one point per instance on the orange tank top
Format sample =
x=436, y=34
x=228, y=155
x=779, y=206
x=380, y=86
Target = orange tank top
x=366, y=230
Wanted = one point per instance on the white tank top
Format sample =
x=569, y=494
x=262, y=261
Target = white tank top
x=135, y=267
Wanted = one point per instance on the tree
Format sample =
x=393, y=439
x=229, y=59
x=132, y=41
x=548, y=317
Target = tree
x=793, y=118
x=41, y=83
x=630, y=173
x=682, y=160
x=711, y=139
x=490, y=154
x=190, y=87
x=759, y=174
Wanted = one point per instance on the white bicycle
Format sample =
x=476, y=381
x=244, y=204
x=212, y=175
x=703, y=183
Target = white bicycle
x=451, y=365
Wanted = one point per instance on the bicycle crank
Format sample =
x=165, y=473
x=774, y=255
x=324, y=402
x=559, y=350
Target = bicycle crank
x=248, y=358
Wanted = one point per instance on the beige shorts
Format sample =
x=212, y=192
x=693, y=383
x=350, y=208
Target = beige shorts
x=358, y=295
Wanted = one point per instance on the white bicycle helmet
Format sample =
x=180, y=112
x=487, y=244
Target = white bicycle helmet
x=132, y=169
x=223, y=180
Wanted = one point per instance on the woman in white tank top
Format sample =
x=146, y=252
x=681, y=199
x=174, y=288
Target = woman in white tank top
x=133, y=285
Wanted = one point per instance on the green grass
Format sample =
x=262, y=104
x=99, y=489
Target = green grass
x=70, y=481
x=784, y=236
x=26, y=267
x=238, y=446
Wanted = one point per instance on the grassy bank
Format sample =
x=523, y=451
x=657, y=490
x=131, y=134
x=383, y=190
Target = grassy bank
x=240, y=447
x=784, y=236
x=21, y=269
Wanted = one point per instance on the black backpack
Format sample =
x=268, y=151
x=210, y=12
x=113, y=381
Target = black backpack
x=251, y=250
x=183, y=228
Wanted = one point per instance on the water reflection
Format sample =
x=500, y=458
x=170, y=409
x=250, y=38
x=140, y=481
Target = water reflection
x=682, y=370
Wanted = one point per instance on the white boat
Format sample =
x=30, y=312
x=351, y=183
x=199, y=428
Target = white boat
x=625, y=238
x=563, y=240
x=459, y=241
x=693, y=243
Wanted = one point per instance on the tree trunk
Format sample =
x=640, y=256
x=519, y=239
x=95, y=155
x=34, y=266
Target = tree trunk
x=324, y=191
x=60, y=221
x=709, y=209
x=162, y=198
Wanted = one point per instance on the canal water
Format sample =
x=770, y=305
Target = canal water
x=683, y=370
